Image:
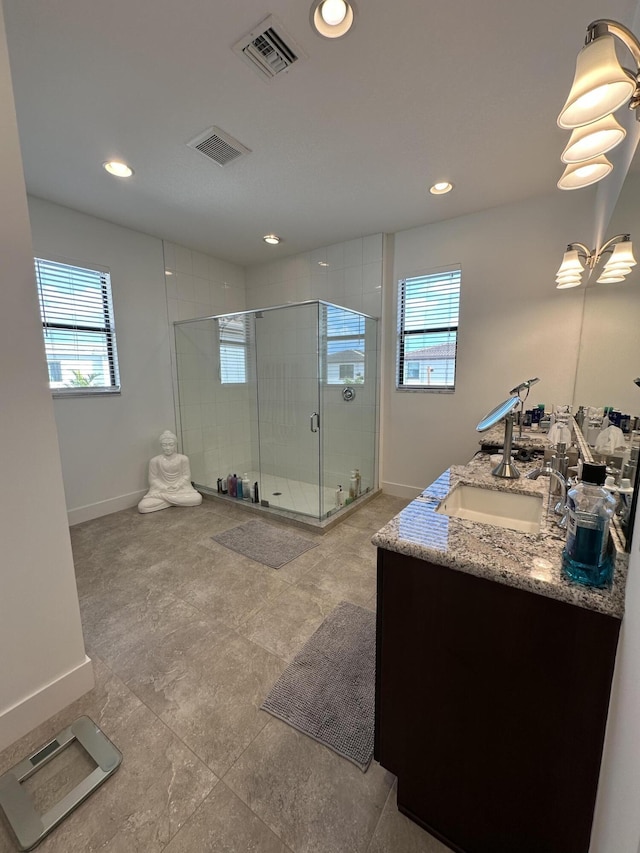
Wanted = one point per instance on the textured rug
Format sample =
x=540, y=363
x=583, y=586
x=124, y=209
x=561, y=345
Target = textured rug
x=264, y=543
x=327, y=691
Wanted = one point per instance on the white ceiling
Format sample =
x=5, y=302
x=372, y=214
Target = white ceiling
x=345, y=144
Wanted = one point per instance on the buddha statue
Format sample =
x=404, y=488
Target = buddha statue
x=169, y=479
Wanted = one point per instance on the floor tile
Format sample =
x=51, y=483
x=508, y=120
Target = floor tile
x=224, y=824
x=285, y=623
x=314, y=800
x=343, y=576
x=395, y=833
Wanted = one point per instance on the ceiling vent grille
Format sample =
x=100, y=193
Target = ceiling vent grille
x=269, y=49
x=218, y=146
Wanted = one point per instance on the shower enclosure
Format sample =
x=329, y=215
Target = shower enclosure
x=287, y=396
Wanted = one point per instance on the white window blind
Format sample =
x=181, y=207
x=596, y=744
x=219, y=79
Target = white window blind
x=79, y=333
x=345, y=345
x=234, y=337
x=428, y=312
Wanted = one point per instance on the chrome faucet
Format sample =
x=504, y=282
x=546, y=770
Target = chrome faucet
x=560, y=508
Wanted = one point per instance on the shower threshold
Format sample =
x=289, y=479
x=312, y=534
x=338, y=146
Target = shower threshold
x=297, y=519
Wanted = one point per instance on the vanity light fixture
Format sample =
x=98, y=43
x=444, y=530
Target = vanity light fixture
x=578, y=257
x=272, y=239
x=441, y=188
x=332, y=19
x=120, y=170
x=600, y=87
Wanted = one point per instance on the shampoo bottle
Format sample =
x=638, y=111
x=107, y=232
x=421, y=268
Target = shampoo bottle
x=239, y=488
x=586, y=558
x=246, y=488
x=353, y=485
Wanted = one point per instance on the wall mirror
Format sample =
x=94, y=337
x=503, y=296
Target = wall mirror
x=609, y=355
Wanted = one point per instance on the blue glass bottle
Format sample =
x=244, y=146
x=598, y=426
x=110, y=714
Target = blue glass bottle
x=586, y=558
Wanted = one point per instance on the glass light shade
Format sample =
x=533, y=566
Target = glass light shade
x=608, y=279
x=332, y=18
x=578, y=175
x=567, y=279
x=571, y=263
x=565, y=284
x=622, y=254
x=616, y=269
x=592, y=140
x=600, y=86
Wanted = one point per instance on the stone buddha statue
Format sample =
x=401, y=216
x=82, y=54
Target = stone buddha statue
x=169, y=479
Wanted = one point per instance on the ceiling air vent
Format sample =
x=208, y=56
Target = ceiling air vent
x=269, y=49
x=218, y=146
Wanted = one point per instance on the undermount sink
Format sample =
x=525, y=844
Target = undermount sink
x=512, y=510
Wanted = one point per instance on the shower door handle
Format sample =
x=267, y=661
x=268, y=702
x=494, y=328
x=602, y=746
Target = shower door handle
x=314, y=422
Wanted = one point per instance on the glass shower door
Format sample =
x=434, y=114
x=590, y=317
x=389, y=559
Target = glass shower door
x=289, y=408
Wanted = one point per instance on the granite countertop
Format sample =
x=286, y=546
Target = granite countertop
x=525, y=560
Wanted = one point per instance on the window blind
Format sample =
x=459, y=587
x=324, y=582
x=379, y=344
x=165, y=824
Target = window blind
x=428, y=315
x=234, y=336
x=345, y=345
x=79, y=333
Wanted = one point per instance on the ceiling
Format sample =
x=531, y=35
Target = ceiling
x=346, y=143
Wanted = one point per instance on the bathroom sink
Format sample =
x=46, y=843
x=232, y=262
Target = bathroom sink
x=512, y=510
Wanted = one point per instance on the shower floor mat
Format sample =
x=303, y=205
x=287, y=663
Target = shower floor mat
x=265, y=543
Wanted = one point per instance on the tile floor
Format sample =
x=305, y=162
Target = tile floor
x=186, y=638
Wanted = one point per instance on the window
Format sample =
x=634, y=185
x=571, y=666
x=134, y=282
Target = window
x=345, y=344
x=428, y=309
x=233, y=336
x=79, y=333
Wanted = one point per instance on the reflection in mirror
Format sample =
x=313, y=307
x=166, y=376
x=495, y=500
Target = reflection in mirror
x=609, y=357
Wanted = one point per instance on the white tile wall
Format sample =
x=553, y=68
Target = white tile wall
x=353, y=277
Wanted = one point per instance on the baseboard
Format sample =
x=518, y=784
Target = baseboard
x=38, y=707
x=399, y=490
x=86, y=513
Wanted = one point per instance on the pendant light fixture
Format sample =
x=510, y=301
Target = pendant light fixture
x=579, y=257
x=601, y=86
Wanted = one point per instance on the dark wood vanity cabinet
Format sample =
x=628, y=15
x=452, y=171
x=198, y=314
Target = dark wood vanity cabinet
x=491, y=705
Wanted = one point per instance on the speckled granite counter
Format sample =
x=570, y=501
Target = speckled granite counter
x=529, y=561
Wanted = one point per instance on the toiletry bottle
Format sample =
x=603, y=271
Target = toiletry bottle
x=219, y=485
x=585, y=558
x=246, y=488
x=573, y=455
x=230, y=484
x=339, y=497
x=353, y=485
x=234, y=486
x=239, y=488
x=256, y=495
x=359, y=489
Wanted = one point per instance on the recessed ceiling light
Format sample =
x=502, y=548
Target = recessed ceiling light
x=168, y=272
x=120, y=170
x=332, y=18
x=441, y=188
x=272, y=239
x=323, y=264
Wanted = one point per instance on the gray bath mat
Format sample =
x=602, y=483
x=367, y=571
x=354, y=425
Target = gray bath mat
x=264, y=543
x=327, y=691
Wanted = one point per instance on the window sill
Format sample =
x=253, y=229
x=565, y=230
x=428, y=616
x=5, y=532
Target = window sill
x=62, y=393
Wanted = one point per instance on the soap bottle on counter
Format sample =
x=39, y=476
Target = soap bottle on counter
x=585, y=558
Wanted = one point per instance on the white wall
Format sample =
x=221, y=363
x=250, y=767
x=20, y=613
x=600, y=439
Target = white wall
x=106, y=442
x=514, y=325
x=44, y=666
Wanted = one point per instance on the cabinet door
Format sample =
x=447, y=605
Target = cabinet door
x=491, y=705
